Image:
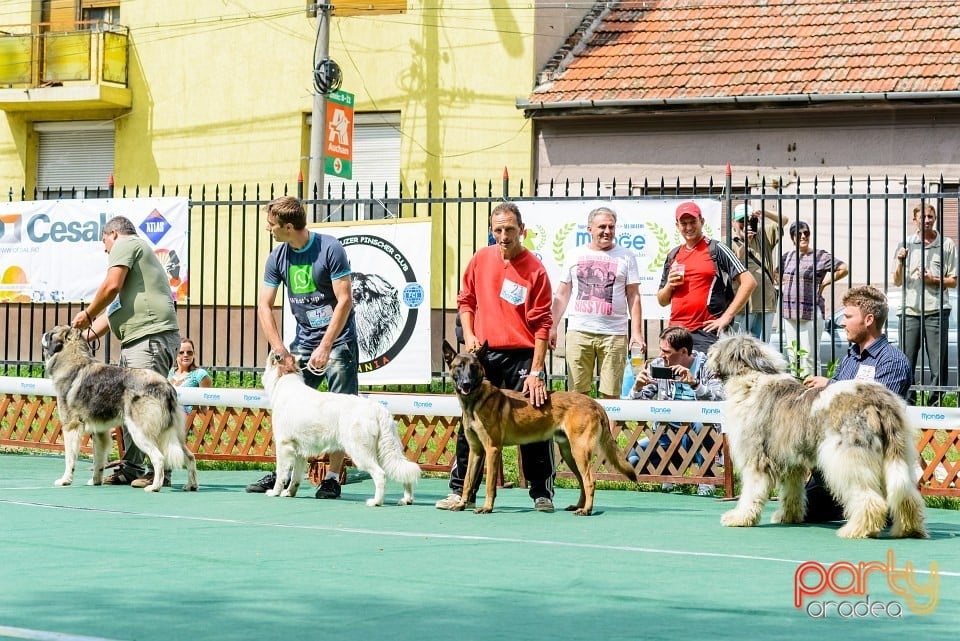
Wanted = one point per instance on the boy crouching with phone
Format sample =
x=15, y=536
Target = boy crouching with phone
x=678, y=374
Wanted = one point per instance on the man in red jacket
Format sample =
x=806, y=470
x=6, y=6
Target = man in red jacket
x=505, y=301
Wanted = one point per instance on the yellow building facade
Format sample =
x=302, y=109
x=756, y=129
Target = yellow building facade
x=203, y=93
x=220, y=93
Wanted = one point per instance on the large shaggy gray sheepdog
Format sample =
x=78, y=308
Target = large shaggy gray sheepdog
x=856, y=432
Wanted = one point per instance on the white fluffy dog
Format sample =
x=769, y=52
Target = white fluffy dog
x=310, y=423
x=856, y=432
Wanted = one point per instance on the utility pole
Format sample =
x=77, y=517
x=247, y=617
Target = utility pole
x=318, y=117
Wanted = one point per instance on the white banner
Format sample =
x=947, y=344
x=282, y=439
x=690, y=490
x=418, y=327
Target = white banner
x=555, y=229
x=390, y=260
x=52, y=250
x=930, y=418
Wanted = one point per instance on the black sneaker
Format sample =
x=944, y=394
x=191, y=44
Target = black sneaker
x=329, y=489
x=264, y=484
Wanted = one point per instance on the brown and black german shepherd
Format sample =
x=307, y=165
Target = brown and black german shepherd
x=493, y=417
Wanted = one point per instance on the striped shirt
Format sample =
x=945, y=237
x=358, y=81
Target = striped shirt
x=879, y=361
x=800, y=285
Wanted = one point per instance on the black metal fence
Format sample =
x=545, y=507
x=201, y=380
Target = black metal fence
x=859, y=220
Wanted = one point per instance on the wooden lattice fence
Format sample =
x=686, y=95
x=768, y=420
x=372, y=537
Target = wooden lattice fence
x=244, y=434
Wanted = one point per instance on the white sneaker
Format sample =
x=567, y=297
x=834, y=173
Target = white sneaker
x=666, y=487
x=451, y=502
x=543, y=504
x=704, y=490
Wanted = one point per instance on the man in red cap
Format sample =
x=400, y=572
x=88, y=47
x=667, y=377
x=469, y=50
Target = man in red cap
x=697, y=281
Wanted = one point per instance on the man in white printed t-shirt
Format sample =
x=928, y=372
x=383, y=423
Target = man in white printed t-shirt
x=604, y=282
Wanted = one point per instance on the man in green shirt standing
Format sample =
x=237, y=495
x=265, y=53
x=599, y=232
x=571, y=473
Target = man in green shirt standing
x=135, y=303
x=926, y=268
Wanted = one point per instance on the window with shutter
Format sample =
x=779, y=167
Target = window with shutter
x=74, y=159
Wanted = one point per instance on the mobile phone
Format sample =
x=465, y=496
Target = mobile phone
x=661, y=373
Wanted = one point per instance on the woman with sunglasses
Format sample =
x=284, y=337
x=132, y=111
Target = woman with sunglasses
x=186, y=373
x=803, y=282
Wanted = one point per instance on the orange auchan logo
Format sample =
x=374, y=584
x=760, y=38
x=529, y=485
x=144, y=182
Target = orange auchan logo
x=814, y=583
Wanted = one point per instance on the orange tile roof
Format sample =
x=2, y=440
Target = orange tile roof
x=701, y=49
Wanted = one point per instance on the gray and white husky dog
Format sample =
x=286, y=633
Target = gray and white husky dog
x=97, y=397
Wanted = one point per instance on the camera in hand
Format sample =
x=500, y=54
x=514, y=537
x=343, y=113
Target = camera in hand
x=664, y=373
x=754, y=224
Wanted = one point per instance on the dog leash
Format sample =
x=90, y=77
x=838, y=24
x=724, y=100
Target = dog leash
x=95, y=343
x=316, y=371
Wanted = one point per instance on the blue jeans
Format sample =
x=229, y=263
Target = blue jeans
x=341, y=372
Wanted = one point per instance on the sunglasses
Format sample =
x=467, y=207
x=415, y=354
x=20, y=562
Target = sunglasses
x=805, y=233
x=185, y=353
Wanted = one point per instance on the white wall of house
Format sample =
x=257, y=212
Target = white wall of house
x=789, y=150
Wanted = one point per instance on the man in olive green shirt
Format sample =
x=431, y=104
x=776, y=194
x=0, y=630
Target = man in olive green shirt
x=135, y=294
x=926, y=268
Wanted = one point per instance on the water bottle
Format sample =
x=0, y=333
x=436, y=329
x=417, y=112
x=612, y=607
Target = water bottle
x=636, y=360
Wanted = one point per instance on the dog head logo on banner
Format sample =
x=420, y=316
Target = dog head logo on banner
x=390, y=278
x=383, y=326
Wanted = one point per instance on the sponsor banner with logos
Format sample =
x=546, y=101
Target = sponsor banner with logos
x=556, y=229
x=52, y=250
x=946, y=418
x=665, y=411
x=390, y=262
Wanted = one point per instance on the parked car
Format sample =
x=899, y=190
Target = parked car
x=833, y=340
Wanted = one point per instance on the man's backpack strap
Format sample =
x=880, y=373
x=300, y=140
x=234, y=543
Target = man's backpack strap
x=713, y=248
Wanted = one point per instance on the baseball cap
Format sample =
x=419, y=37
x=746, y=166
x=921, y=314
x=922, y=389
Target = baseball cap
x=740, y=212
x=688, y=209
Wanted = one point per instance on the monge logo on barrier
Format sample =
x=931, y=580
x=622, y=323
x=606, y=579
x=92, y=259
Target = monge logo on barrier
x=10, y=228
x=155, y=226
x=813, y=581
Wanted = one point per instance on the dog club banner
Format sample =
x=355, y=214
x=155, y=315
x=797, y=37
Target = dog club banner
x=52, y=250
x=391, y=297
x=556, y=229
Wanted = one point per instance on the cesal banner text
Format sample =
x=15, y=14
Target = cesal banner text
x=53, y=251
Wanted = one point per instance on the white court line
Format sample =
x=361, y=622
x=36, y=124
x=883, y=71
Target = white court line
x=434, y=535
x=44, y=635
x=17, y=488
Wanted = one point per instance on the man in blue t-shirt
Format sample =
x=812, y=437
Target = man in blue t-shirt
x=316, y=273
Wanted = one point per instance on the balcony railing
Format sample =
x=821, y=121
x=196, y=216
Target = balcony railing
x=37, y=55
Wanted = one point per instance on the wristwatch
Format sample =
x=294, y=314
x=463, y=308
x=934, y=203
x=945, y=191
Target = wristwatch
x=538, y=373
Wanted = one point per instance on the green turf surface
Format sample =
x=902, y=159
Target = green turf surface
x=117, y=563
